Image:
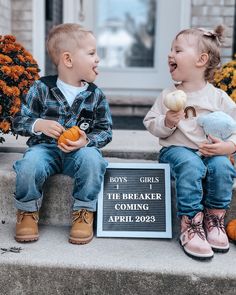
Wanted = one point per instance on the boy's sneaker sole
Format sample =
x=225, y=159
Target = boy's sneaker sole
x=80, y=241
x=27, y=239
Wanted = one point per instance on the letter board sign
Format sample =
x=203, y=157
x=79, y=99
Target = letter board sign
x=135, y=201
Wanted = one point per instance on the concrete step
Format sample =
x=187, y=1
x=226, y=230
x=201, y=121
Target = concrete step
x=131, y=104
x=109, y=266
x=106, y=265
x=126, y=144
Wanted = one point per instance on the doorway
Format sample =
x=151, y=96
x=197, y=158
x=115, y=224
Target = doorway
x=53, y=17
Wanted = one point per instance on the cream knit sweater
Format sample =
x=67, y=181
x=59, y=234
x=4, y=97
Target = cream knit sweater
x=188, y=133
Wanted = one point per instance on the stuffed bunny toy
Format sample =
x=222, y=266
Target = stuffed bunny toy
x=220, y=125
x=217, y=124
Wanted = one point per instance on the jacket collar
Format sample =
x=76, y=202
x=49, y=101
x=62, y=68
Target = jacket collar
x=51, y=81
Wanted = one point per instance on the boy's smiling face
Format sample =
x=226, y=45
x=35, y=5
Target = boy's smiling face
x=84, y=60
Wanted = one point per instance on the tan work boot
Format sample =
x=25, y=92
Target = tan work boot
x=193, y=239
x=82, y=227
x=215, y=230
x=27, y=226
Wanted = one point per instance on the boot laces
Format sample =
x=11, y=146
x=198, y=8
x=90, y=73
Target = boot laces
x=22, y=214
x=81, y=216
x=196, y=228
x=215, y=221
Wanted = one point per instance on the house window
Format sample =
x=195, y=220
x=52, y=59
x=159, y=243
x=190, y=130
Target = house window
x=133, y=38
x=137, y=66
x=126, y=33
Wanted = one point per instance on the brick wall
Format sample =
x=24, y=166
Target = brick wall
x=22, y=22
x=5, y=17
x=210, y=13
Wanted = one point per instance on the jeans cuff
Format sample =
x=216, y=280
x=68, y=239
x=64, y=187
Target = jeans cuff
x=90, y=206
x=30, y=206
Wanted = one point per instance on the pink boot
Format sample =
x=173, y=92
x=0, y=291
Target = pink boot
x=215, y=230
x=193, y=239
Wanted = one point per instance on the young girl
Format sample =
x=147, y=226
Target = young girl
x=202, y=170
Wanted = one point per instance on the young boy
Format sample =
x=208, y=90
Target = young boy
x=53, y=104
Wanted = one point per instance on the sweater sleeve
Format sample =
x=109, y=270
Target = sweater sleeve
x=154, y=121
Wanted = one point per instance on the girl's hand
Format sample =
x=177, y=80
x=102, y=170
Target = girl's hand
x=74, y=145
x=172, y=118
x=217, y=147
x=49, y=127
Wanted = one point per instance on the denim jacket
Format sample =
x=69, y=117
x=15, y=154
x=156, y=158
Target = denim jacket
x=45, y=100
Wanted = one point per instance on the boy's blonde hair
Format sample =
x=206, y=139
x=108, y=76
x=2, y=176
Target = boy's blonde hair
x=209, y=41
x=64, y=37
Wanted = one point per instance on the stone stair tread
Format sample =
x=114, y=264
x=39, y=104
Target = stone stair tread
x=106, y=265
x=114, y=254
x=125, y=144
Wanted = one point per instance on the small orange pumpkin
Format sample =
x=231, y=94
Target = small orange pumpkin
x=71, y=134
x=231, y=229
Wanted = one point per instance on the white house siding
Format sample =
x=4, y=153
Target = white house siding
x=5, y=17
x=22, y=25
x=210, y=13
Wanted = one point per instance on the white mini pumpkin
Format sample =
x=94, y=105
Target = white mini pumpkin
x=176, y=100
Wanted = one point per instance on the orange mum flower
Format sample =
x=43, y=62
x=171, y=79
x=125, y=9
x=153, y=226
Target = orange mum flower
x=7, y=90
x=5, y=59
x=15, y=91
x=5, y=126
x=225, y=78
x=17, y=101
x=23, y=84
x=9, y=38
x=6, y=70
x=14, y=110
x=8, y=48
x=32, y=70
x=21, y=58
x=2, y=84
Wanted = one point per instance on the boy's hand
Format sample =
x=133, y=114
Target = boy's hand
x=217, y=147
x=74, y=145
x=48, y=127
x=172, y=118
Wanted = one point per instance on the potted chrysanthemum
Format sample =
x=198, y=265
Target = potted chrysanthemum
x=225, y=78
x=18, y=70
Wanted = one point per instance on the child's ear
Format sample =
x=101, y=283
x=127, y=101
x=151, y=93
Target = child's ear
x=67, y=59
x=202, y=60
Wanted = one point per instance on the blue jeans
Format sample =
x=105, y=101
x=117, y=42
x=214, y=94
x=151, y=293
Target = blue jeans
x=86, y=166
x=200, y=181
